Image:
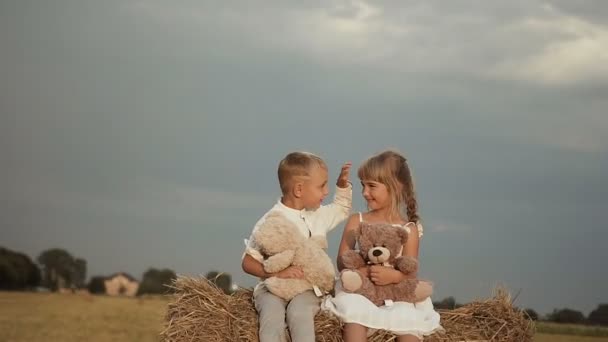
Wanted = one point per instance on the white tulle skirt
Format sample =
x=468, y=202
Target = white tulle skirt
x=401, y=318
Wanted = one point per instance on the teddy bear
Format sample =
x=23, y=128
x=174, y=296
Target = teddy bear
x=282, y=245
x=382, y=244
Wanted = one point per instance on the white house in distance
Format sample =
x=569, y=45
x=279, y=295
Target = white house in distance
x=121, y=284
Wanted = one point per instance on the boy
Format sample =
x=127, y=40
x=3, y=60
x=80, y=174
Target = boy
x=303, y=181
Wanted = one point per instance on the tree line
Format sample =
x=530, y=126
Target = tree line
x=56, y=268
x=599, y=316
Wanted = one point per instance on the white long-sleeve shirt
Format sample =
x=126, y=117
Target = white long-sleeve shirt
x=309, y=222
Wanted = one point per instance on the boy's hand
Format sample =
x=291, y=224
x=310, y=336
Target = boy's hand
x=343, y=178
x=291, y=272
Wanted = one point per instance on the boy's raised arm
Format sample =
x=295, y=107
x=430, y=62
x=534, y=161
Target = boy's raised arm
x=329, y=216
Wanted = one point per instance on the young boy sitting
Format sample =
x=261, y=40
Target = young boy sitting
x=303, y=181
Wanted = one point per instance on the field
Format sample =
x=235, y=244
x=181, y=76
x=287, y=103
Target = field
x=68, y=318
x=570, y=332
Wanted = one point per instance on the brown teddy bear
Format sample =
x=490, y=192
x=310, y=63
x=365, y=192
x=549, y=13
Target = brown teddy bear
x=282, y=246
x=381, y=244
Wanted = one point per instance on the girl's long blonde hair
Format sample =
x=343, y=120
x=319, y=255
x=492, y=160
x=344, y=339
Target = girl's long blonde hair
x=390, y=168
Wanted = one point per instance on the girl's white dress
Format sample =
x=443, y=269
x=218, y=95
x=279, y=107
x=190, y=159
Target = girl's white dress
x=401, y=318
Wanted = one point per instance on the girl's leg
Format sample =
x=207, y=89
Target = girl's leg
x=408, y=338
x=354, y=333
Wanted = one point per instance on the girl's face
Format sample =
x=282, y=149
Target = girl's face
x=376, y=194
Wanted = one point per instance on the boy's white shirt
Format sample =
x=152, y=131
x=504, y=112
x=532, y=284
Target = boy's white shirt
x=309, y=222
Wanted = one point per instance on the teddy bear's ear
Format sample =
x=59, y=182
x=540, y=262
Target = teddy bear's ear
x=361, y=230
x=402, y=235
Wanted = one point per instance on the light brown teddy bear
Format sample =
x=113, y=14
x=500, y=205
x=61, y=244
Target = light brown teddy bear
x=382, y=244
x=282, y=246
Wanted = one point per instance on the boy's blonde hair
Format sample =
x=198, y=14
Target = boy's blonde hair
x=297, y=165
x=390, y=168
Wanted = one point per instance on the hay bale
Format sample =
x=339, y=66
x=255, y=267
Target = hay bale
x=202, y=312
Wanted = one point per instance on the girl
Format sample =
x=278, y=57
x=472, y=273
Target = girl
x=389, y=193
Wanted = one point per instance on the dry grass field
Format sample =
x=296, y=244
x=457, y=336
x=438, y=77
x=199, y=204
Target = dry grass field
x=69, y=318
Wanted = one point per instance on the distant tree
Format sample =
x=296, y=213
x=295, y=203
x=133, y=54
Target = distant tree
x=57, y=268
x=156, y=281
x=33, y=273
x=9, y=277
x=97, y=285
x=531, y=313
x=221, y=280
x=448, y=303
x=566, y=316
x=79, y=272
x=17, y=271
x=61, y=270
x=599, y=316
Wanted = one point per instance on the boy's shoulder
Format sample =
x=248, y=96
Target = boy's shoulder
x=263, y=217
x=275, y=208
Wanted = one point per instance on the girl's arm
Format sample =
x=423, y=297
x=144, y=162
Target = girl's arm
x=410, y=249
x=349, y=239
x=381, y=275
x=412, y=244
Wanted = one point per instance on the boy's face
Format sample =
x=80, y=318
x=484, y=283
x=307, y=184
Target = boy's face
x=314, y=188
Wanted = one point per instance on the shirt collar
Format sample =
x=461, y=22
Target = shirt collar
x=299, y=213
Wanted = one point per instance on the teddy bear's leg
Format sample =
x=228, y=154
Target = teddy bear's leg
x=327, y=283
x=412, y=290
x=287, y=288
x=322, y=277
x=351, y=280
x=356, y=281
x=374, y=293
x=424, y=289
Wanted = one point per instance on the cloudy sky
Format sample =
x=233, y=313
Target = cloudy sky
x=141, y=133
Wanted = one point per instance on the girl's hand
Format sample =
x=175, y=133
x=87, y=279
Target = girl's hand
x=382, y=275
x=343, y=178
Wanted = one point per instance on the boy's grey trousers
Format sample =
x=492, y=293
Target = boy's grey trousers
x=274, y=311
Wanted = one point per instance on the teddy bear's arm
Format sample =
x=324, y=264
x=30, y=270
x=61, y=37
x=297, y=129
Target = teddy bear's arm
x=279, y=262
x=320, y=240
x=351, y=259
x=406, y=264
